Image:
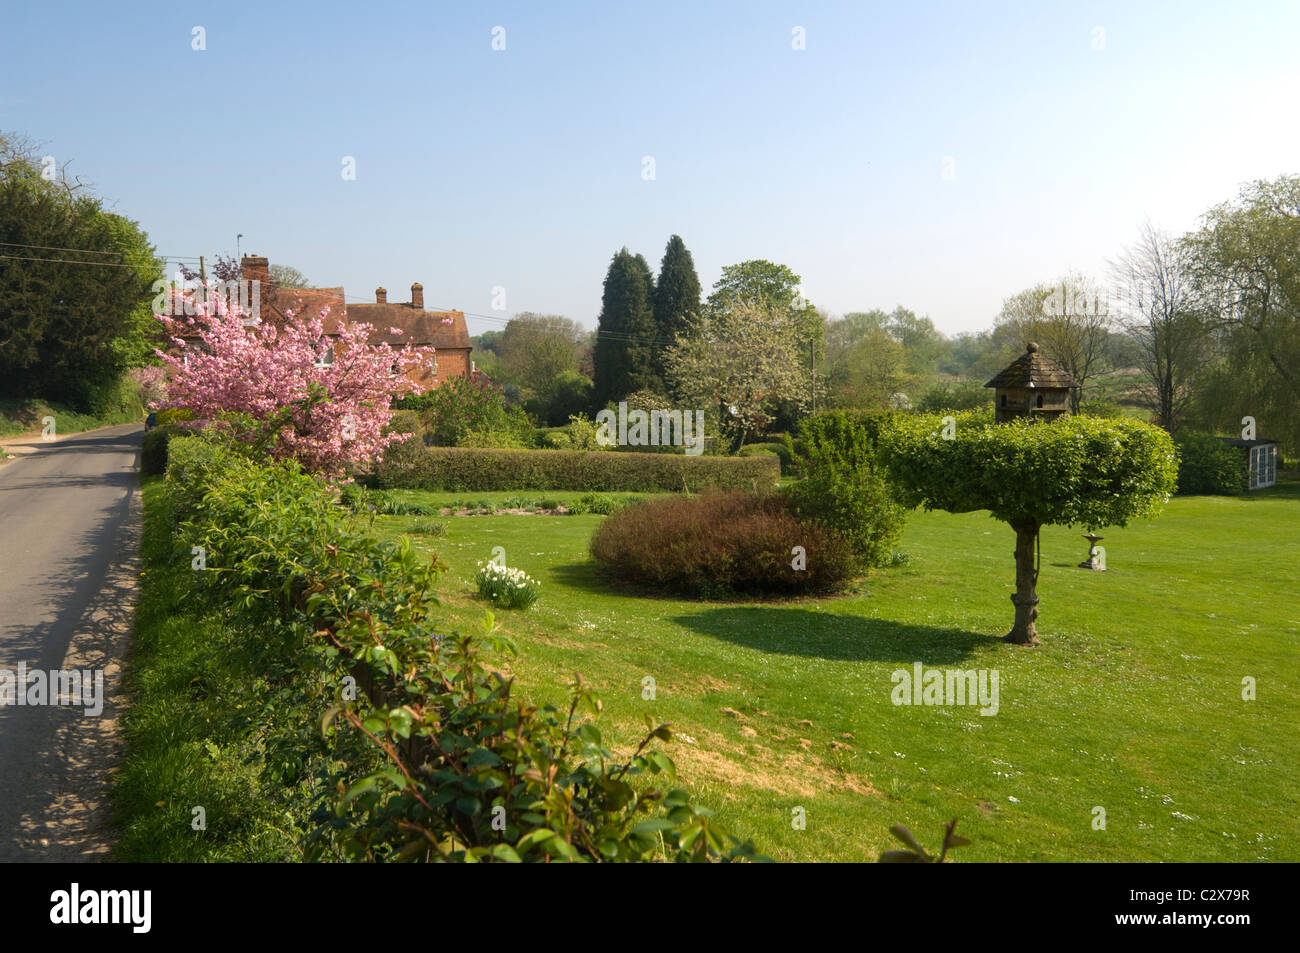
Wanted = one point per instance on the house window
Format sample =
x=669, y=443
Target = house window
x=325, y=356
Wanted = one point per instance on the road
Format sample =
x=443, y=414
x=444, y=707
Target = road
x=69, y=551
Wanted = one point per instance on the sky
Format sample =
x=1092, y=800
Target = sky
x=938, y=156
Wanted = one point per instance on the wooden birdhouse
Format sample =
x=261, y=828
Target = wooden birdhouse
x=1032, y=386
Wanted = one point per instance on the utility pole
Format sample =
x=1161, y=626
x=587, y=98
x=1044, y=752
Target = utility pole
x=203, y=272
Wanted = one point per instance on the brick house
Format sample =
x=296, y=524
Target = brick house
x=445, y=331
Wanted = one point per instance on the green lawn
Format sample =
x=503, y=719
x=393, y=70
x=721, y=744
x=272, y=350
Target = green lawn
x=1133, y=703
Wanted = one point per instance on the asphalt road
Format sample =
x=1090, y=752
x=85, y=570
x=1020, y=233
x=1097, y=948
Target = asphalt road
x=69, y=549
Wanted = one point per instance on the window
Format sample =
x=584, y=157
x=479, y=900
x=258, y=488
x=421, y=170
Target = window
x=325, y=356
x=1040, y=400
x=1004, y=400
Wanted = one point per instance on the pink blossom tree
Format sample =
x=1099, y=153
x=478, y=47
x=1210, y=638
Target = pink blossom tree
x=272, y=386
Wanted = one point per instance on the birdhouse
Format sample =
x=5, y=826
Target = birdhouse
x=1032, y=386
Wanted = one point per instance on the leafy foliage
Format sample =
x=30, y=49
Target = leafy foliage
x=915, y=853
x=844, y=487
x=1084, y=471
x=1208, y=465
x=626, y=335
x=461, y=406
x=435, y=758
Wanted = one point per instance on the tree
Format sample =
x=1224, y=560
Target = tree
x=626, y=340
x=536, y=348
x=70, y=321
x=677, y=294
x=1076, y=471
x=1158, y=313
x=1247, y=276
x=263, y=382
x=283, y=276
x=742, y=359
x=1069, y=319
x=776, y=287
x=864, y=362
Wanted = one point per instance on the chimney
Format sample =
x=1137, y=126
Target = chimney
x=381, y=296
x=417, y=296
x=256, y=268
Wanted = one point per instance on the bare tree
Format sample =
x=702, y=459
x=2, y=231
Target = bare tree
x=1070, y=320
x=1157, y=308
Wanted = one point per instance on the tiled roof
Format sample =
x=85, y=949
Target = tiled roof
x=421, y=327
x=1032, y=369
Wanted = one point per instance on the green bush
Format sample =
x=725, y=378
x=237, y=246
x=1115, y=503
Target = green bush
x=720, y=543
x=782, y=450
x=405, y=734
x=461, y=406
x=844, y=487
x=954, y=396
x=1102, y=407
x=1208, y=465
x=458, y=469
x=153, y=448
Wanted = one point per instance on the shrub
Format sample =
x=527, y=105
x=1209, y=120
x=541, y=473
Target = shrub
x=957, y=395
x=1208, y=465
x=461, y=406
x=153, y=448
x=844, y=488
x=600, y=505
x=416, y=764
x=1102, y=407
x=458, y=469
x=784, y=452
x=507, y=588
x=721, y=542
x=173, y=415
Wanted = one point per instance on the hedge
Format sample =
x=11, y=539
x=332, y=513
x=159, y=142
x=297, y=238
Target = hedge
x=1208, y=465
x=412, y=466
x=427, y=752
x=153, y=448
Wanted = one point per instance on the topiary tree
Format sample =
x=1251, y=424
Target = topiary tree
x=1077, y=471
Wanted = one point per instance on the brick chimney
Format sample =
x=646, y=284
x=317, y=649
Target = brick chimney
x=381, y=296
x=417, y=296
x=256, y=268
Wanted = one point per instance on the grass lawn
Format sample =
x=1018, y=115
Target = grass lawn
x=1133, y=703
x=19, y=417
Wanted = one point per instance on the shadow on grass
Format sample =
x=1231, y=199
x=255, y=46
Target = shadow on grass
x=837, y=638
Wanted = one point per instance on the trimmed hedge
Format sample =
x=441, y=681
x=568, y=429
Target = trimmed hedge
x=461, y=469
x=786, y=454
x=1207, y=465
x=153, y=448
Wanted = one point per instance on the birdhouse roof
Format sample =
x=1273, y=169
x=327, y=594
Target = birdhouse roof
x=1033, y=369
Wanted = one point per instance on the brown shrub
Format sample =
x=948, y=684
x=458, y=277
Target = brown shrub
x=719, y=543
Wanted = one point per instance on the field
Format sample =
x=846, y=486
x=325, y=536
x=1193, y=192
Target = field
x=1132, y=704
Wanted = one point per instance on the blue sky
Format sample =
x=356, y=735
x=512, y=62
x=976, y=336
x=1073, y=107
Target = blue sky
x=522, y=168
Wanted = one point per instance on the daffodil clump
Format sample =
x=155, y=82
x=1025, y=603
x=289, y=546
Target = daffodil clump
x=507, y=588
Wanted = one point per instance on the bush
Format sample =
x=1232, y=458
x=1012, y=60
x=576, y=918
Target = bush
x=173, y=415
x=153, y=448
x=782, y=450
x=507, y=588
x=461, y=406
x=720, y=543
x=457, y=469
x=843, y=486
x=958, y=395
x=1207, y=465
x=427, y=527
x=1102, y=407
x=416, y=764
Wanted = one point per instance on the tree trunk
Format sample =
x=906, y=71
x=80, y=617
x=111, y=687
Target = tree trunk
x=1026, y=597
